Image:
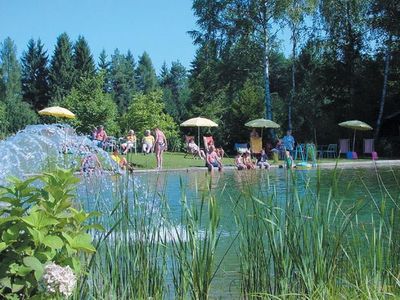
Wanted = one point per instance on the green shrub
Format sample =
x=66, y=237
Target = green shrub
x=39, y=225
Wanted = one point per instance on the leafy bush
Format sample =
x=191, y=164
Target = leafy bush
x=39, y=225
x=146, y=112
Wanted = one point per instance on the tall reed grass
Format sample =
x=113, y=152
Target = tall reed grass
x=312, y=244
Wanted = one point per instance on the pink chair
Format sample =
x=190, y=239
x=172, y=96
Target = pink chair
x=368, y=146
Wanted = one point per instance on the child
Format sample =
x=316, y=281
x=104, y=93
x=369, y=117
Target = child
x=263, y=160
x=289, y=160
x=247, y=161
x=239, y=162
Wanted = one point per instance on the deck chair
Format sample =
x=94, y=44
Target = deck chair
x=331, y=151
x=241, y=147
x=344, y=146
x=370, y=149
x=189, y=151
x=209, y=140
x=255, y=145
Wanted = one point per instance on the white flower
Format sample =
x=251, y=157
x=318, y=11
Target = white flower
x=59, y=279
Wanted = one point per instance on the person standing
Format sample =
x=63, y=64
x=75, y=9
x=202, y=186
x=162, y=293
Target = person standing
x=160, y=145
x=288, y=141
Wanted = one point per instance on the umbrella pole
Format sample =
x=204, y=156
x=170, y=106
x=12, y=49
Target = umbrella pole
x=354, y=139
x=198, y=136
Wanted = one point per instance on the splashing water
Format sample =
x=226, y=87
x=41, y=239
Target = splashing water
x=39, y=147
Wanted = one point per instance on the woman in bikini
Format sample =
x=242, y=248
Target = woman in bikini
x=160, y=145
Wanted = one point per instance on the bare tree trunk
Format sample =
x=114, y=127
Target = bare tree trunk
x=384, y=89
x=293, y=93
x=268, y=102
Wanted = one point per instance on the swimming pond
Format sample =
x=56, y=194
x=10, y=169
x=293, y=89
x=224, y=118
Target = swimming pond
x=362, y=195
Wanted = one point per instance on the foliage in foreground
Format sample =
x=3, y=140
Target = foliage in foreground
x=308, y=243
x=39, y=225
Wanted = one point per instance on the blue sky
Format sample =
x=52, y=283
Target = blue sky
x=156, y=26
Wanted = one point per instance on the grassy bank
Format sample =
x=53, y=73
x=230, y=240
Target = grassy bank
x=177, y=160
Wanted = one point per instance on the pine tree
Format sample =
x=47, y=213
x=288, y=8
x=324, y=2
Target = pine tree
x=35, y=87
x=83, y=60
x=104, y=68
x=122, y=79
x=18, y=113
x=62, y=71
x=146, y=75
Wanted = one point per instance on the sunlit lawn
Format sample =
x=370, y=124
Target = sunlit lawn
x=177, y=160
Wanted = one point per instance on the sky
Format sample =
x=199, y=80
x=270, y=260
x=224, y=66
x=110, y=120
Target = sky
x=158, y=27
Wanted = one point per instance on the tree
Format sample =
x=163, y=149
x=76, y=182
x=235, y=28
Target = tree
x=148, y=111
x=83, y=60
x=383, y=15
x=174, y=83
x=296, y=11
x=122, y=79
x=62, y=71
x=92, y=106
x=104, y=68
x=146, y=77
x=35, y=86
x=18, y=113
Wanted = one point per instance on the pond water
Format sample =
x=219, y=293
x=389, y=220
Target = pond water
x=228, y=187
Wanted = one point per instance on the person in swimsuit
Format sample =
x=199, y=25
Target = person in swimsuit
x=160, y=145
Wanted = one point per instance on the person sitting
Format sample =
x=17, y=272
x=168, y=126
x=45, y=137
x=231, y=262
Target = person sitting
x=213, y=160
x=209, y=141
x=90, y=163
x=239, y=162
x=262, y=161
x=247, y=161
x=193, y=148
x=130, y=142
x=147, y=142
x=289, y=160
x=121, y=161
x=100, y=136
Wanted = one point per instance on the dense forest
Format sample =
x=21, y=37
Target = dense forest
x=344, y=64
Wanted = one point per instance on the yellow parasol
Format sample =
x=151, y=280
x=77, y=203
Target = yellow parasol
x=199, y=122
x=57, y=111
x=355, y=125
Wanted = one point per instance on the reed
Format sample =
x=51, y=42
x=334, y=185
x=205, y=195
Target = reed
x=309, y=244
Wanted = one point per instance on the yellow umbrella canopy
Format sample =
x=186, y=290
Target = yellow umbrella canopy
x=262, y=123
x=57, y=111
x=355, y=125
x=199, y=122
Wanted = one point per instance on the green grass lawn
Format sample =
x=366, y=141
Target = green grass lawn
x=176, y=160
x=172, y=160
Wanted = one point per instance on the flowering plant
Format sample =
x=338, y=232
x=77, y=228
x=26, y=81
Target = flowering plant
x=39, y=226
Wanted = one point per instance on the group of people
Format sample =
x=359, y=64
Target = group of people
x=244, y=161
x=150, y=143
x=212, y=156
x=283, y=147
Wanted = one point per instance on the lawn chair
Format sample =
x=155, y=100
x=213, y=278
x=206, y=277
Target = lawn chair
x=299, y=151
x=241, y=147
x=331, y=152
x=344, y=146
x=189, y=150
x=369, y=148
x=255, y=145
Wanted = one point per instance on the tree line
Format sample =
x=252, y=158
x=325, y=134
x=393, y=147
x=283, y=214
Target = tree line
x=343, y=64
